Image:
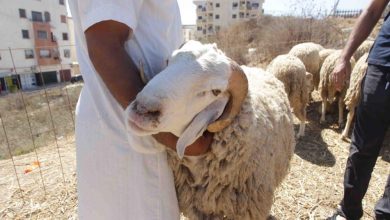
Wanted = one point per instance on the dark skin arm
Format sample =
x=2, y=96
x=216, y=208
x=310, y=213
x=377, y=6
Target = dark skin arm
x=105, y=42
x=363, y=27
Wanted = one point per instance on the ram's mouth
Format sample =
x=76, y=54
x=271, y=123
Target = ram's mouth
x=137, y=129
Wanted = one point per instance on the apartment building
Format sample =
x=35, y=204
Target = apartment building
x=188, y=32
x=35, y=44
x=212, y=15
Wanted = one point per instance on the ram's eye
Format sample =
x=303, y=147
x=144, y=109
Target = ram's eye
x=216, y=92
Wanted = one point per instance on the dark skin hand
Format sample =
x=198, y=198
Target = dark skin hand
x=360, y=32
x=105, y=42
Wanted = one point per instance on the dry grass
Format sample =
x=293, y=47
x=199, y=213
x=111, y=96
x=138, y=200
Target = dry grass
x=272, y=36
x=31, y=202
x=312, y=189
x=56, y=102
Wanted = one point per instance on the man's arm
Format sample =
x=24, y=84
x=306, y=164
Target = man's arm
x=363, y=27
x=105, y=42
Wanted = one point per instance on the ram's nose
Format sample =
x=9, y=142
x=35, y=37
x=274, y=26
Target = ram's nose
x=151, y=110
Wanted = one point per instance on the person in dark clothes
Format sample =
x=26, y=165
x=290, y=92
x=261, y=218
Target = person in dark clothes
x=372, y=114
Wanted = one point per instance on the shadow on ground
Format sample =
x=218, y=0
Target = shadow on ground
x=312, y=147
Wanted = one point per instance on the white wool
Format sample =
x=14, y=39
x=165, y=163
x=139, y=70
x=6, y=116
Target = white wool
x=297, y=83
x=327, y=89
x=352, y=96
x=308, y=53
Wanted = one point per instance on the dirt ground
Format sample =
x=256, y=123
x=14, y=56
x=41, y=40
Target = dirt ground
x=312, y=189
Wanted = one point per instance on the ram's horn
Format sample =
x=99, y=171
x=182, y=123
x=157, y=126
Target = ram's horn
x=142, y=72
x=238, y=90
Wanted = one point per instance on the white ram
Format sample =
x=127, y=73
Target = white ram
x=326, y=88
x=297, y=83
x=309, y=54
x=352, y=97
x=249, y=113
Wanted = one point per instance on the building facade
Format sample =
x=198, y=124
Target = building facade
x=212, y=15
x=188, y=32
x=35, y=45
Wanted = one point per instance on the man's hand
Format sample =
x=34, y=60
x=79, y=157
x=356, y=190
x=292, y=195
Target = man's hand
x=199, y=147
x=341, y=74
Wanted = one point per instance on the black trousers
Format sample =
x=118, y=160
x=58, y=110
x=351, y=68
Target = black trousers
x=372, y=120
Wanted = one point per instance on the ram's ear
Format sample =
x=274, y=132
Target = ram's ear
x=199, y=124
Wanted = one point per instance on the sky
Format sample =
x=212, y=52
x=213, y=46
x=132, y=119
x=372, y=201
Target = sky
x=188, y=9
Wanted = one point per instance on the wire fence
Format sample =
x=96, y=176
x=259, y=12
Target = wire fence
x=347, y=13
x=37, y=121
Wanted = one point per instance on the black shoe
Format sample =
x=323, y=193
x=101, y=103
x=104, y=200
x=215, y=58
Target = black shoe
x=337, y=213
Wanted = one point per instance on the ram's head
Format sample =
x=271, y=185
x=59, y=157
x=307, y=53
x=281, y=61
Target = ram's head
x=200, y=89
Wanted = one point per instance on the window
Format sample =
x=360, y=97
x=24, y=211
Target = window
x=241, y=14
x=67, y=53
x=200, y=6
x=55, y=53
x=234, y=16
x=36, y=16
x=217, y=28
x=22, y=13
x=44, y=53
x=199, y=17
x=29, y=53
x=64, y=36
x=216, y=16
x=62, y=2
x=235, y=4
x=47, y=16
x=63, y=19
x=42, y=35
x=204, y=31
x=53, y=37
x=217, y=5
x=199, y=28
x=25, y=34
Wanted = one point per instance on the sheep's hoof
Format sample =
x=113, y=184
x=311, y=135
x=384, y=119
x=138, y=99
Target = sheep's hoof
x=300, y=135
x=341, y=125
x=322, y=121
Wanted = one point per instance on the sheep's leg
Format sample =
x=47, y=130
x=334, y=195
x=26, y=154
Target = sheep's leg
x=323, y=111
x=302, y=125
x=341, y=112
x=350, y=116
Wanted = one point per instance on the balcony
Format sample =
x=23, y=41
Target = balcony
x=200, y=10
x=210, y=18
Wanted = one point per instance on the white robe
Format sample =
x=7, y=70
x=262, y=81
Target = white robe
x=122, y=176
